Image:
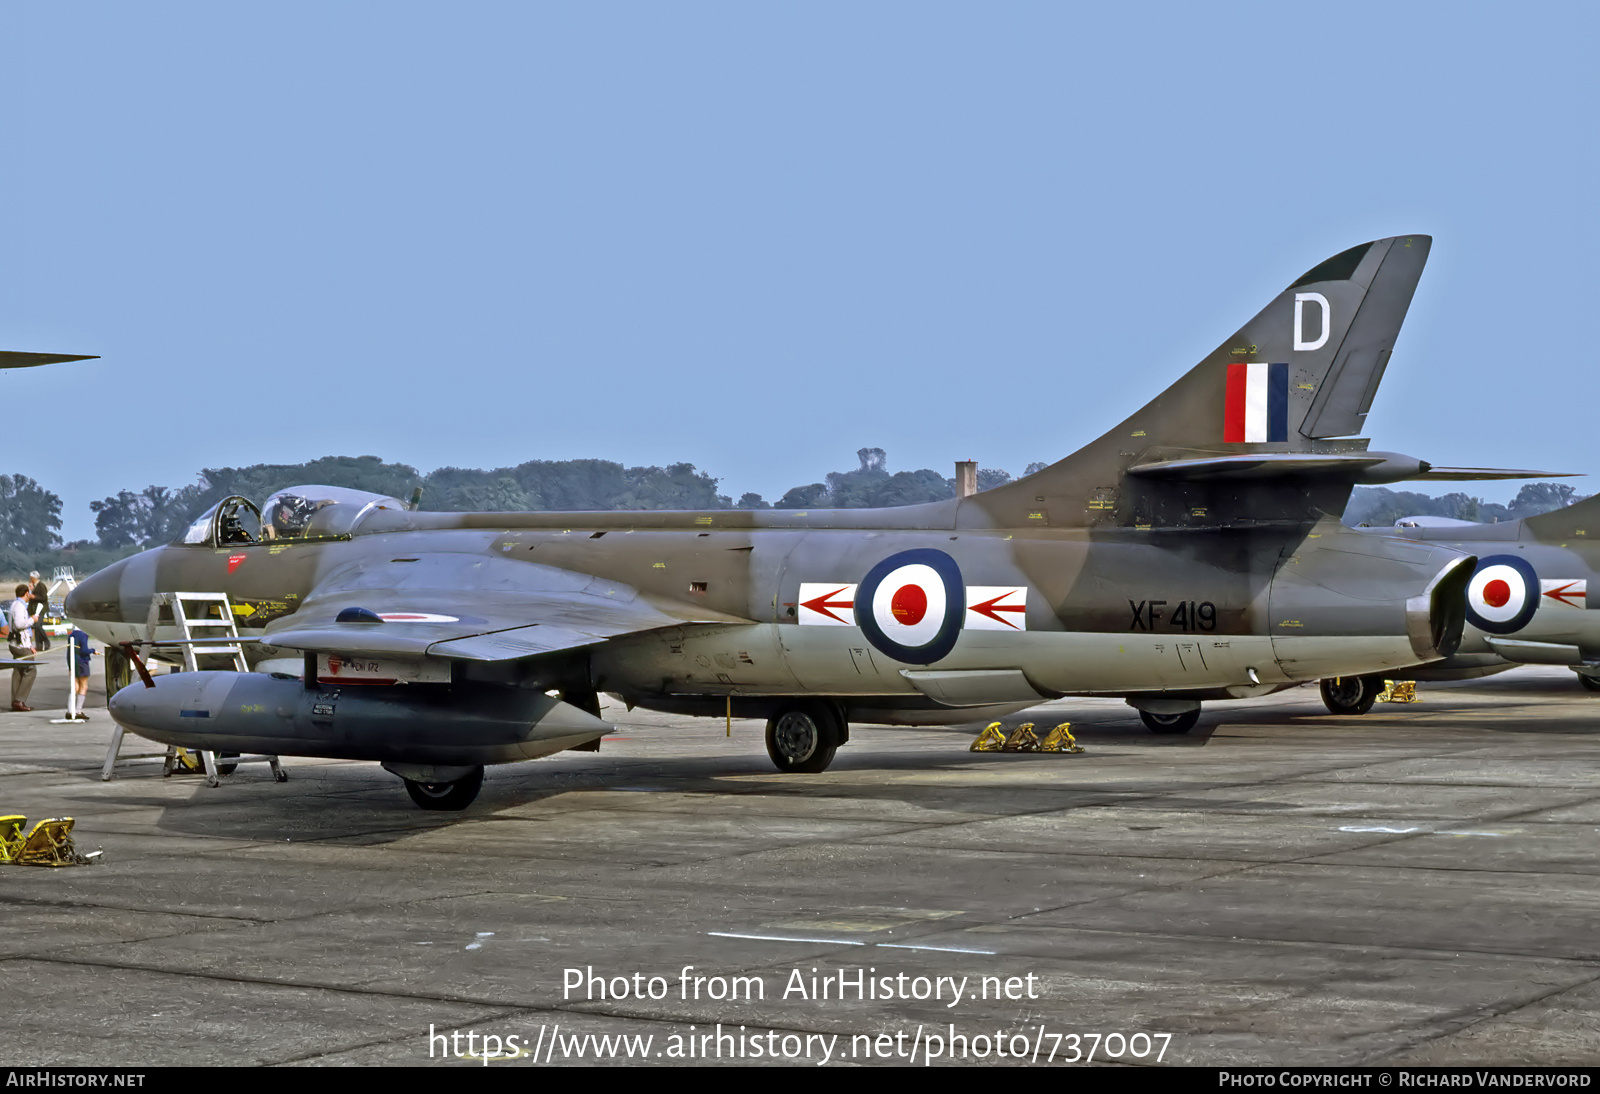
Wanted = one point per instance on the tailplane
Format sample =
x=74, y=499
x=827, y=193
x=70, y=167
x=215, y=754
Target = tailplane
x=21, y=359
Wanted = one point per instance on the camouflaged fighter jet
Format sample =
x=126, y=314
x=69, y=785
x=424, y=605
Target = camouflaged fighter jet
x=1187, y=555
x=1527, y=600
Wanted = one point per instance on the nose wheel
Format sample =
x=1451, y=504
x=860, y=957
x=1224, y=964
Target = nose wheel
x=446, y=795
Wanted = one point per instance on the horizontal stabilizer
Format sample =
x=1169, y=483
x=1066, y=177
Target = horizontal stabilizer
x=1366, y=468
x=18, y=359
x=1257, y=466
x=1473, y=474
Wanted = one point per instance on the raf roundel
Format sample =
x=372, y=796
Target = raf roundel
x=910, y=606
x=1502, y=595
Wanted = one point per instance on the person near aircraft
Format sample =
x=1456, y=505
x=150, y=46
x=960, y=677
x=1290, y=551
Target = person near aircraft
x=80, y=656
x=20, y=620
x=41, y=601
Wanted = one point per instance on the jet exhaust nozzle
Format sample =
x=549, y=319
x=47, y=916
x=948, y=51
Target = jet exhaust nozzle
x=1349, y=603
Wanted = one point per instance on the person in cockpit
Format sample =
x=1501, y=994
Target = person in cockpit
x=289, y=516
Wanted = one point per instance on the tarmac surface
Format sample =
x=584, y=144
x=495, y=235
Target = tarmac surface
x=1281, y=886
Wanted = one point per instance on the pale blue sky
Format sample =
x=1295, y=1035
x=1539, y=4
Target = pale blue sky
x=760, y=236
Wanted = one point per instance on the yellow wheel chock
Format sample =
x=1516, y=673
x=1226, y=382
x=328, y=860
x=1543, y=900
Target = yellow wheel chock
x=1024, y=739
x=990, y=740
x=1021, y=740
x=49, y=844
x=184, y=762
x=1398, y=691
x=1060, y=739
x=11, y=837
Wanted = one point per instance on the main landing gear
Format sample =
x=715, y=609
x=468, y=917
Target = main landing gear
x=446, y=795
x=1170, y=723
x=802, y=736
x=1350, y=694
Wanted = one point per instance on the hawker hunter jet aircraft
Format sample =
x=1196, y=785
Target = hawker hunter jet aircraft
x=1527, y=601
x=1187, y=555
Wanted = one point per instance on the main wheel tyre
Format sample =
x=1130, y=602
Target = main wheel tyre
x=455, y=795
x=803, y=737
x=1350, y=694
x=1589, y=682
x=1169, y=723
x=225, y=764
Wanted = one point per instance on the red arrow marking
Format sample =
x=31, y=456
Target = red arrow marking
x=821, y=604
x=234, y=560
x=990, y=607
x=1562, y=595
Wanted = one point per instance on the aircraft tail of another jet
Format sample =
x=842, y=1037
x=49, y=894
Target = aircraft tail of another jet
x=1580, y=520
x=1252, y=433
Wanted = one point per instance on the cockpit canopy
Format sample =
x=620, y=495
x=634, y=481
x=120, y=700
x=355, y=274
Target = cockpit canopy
x=292, y=514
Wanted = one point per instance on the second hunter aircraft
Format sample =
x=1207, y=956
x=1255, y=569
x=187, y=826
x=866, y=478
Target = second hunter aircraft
x=1187, y=555
x=1527, y=602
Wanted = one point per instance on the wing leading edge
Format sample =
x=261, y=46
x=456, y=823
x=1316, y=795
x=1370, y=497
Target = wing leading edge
x=470, y=608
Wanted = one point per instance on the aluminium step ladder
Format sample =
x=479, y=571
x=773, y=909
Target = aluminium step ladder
x=206, y=625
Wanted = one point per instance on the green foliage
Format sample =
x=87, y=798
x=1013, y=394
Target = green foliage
x=1380, y=507
x=814, y=496
x=1543, y=497
x=157, y=515
x=871, y=486
x=30, y=517
x=369, y=473
x=129, y=521
x=571, y=485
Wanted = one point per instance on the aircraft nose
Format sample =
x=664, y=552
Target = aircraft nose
x=98, y=596
x=120, y=593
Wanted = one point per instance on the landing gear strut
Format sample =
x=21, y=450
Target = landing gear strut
x=803, y=736
x=447, y=795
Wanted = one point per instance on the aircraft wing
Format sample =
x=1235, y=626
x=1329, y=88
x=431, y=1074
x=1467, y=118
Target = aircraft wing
x=472, y=608
x=19, y=359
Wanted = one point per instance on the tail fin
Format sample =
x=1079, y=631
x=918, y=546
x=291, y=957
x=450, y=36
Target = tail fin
x=1248, y=434
x=1581, y=518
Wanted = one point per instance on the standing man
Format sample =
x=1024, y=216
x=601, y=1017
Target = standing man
x=20, y=642
x=41, y=604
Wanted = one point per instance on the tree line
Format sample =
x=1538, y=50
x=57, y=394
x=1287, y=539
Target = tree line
x=128, y=521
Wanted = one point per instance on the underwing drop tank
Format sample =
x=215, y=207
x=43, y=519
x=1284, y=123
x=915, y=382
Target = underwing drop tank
x=411, y=725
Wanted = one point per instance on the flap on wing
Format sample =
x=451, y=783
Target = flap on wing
x=466, y=607
x=526, y=641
